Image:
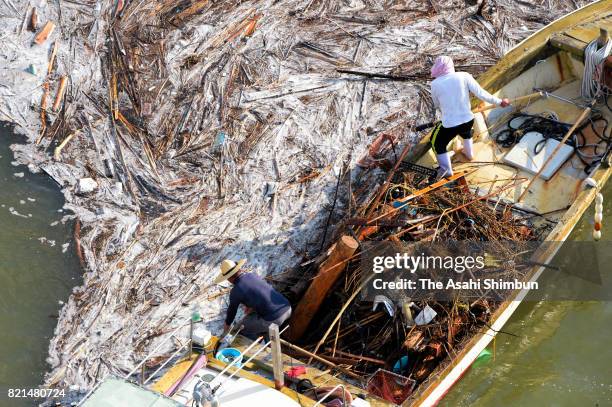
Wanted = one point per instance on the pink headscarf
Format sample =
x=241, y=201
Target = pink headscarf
x=442, y=66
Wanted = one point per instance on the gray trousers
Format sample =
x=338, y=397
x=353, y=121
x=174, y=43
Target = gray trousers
x=255, y=326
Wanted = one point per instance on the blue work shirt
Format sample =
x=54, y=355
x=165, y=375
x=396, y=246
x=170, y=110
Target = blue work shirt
x=251, y=290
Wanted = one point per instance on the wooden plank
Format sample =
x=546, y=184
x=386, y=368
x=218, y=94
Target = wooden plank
x=329, y=271
x=585, y=32
x=277, y=357
x=568, y=44
x=46, y=31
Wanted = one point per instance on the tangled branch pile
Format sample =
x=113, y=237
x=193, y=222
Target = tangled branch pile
x=350, y=333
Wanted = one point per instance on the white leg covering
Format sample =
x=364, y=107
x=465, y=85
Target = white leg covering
x=446, y=168
x=468, y=148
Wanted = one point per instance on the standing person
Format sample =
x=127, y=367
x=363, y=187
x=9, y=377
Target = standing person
x=265, y=305
x=450, y=92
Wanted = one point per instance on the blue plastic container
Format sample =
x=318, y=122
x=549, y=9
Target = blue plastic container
x=228, y=355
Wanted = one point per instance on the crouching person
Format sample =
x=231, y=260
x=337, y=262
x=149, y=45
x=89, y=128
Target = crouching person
x=265, y=305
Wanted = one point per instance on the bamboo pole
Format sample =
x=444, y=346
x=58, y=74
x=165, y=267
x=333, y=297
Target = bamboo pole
x=58, y=149
x=582, y=116
x=60, y=93
x=358, y=357
x=535, y=95
x=320, y=359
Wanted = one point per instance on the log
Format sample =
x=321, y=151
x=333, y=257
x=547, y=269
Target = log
x=46, y=31
x=320, y=285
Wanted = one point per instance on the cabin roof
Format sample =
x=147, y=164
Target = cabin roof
x=115, y=392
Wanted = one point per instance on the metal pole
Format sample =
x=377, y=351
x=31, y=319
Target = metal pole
x=190, y=338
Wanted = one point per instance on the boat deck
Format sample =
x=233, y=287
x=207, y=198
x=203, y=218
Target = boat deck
x=259, y=371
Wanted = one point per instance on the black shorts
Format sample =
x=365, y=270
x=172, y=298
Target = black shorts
x=441, y=136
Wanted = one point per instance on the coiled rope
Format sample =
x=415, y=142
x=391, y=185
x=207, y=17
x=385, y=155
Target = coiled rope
x=592, y=81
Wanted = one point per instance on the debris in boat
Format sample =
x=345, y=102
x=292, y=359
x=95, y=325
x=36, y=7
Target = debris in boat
x=425, y=316
x=362, y=334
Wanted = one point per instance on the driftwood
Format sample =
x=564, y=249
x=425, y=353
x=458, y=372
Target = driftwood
x=43, y=34
x=323, y=281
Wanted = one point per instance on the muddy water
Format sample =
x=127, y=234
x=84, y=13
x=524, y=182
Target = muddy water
x=34, y=273
x=562, y=355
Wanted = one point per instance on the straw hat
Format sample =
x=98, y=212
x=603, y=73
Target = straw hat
x=228, y=269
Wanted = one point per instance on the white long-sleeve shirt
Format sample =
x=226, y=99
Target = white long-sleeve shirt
x=451, y=95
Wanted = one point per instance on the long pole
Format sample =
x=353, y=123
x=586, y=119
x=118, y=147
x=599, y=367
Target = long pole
x=319, y=359
x=515, y=100
x=583, y=116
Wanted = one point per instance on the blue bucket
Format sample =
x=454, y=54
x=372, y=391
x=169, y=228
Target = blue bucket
x=228, y=355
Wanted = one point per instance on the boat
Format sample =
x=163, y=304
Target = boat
x=549, y=67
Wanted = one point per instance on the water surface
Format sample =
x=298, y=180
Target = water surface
x=34, y=273
x=562, y=355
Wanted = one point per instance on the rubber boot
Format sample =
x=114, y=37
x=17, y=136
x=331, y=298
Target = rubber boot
x=468, y=148
x=445, y=167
